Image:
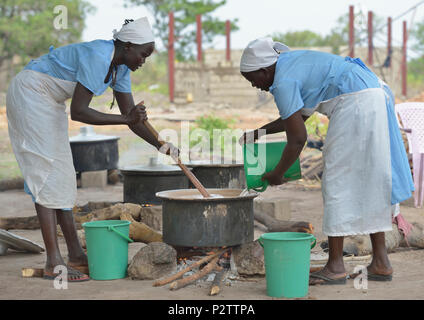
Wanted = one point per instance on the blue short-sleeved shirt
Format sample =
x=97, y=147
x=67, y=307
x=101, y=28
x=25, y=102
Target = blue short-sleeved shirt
x=87, y=63
x=304, y=78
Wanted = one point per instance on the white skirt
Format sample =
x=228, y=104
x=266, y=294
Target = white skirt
x=357, y=182
x=38, y=130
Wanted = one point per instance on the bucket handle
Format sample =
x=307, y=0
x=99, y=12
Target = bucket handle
x=111, y=228
x=260, y=189
x=314, y=242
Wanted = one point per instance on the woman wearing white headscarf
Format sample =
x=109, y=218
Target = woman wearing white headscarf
x=366, y=171
x=38, y=124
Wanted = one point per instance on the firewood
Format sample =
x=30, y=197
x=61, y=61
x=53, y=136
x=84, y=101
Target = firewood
x=139, y=231
x=24, y=223
x=275, y=225
x=110, y=213
x=32, y=272
x=10, y=184
x=190, y=267
x=217, y=282
x=315, y=167
x=178, y=284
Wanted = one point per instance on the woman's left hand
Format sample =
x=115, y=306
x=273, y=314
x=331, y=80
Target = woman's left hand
x=274, y=178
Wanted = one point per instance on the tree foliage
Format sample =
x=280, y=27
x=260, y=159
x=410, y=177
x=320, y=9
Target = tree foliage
x=338, y=36
x=27, y=26
x=185, y=12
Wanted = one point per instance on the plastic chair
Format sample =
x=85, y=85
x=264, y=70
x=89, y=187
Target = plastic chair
x=411, y=116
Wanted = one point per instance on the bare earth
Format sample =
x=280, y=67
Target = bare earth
x=408, y=281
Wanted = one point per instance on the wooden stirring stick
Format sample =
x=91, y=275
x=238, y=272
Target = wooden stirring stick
x=186, y=171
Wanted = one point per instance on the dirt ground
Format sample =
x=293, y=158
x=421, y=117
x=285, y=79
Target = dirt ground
x=306, y=205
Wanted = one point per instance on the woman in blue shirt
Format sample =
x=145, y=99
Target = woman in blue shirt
x=366, y=171
x=38, y=124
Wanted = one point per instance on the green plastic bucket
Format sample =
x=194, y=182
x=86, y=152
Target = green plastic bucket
x=260, y=158
x=107, y=248
x=287, y=263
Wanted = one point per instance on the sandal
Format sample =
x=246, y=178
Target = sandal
x=73, y=276
x=81, y=268
x=373, y=276
x=319, y=278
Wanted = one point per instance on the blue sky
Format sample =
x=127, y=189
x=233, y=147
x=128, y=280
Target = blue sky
x=262, y=17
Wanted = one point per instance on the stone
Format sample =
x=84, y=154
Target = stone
x=248, y=259
x=113, y=176
x=275, y=207
x=154, y=261
x=152, y=216
x=94, y=179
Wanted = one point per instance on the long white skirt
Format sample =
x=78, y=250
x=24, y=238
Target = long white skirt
x=357, y=182
x=38, y=130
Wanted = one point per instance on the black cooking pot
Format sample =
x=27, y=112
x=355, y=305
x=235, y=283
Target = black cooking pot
x=141, y=183
x=93, y=152
x=220, y=176
x=189, y=220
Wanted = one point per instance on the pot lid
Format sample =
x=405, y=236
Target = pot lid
x=217, y=195
x=208, y=163
x=152, y=167
x=87, y=134
x=18, y=243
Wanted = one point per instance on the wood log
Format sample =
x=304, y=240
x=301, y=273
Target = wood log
x=139, y=231
x=94, y=205
x=25, y=223
x=190, y=267
x=11, y=184
x=109, y=213
x=112, y=212
x=32, y=272
x=315, y=167
x=181, y=283
x=217, y=282
x=275, y=225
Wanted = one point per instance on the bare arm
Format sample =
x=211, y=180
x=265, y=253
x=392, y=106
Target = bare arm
x=296, y=139
x=126, y=103
x=80, y=110
x=275, y=126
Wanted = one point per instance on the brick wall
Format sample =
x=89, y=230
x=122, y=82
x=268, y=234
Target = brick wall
x=219, y=81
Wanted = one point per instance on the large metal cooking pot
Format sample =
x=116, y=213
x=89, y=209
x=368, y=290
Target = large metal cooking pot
x=189, y=220
x=220, y=176
x=141, y=183
x=93, y=152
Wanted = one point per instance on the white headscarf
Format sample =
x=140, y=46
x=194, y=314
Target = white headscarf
x=137, y=32
x=261, y=53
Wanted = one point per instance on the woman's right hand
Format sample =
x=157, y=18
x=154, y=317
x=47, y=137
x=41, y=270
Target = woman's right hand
x=136, y=114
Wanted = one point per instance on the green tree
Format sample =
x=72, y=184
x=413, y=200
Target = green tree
x=308, y=38
x=303, y=38
x=27, y=26
x=185, y=12
x=418, y=35
x=339, y=35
